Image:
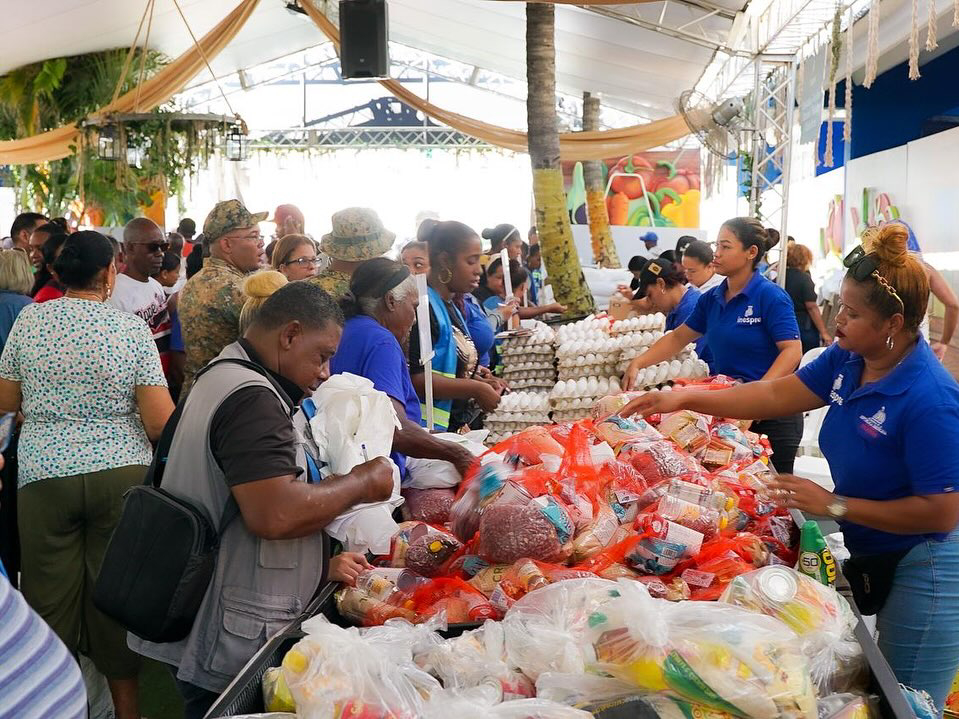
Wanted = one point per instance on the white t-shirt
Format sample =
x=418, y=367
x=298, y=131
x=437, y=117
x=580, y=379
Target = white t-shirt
x=146, y=300
x=715, y=281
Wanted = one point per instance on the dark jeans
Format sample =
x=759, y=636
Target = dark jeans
x=9, y=535
x=810, y=339
x=196, y=701
x=784, y=435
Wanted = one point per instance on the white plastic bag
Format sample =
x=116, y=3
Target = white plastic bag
x=437, y=474
x=355, y=423
x=351, y=415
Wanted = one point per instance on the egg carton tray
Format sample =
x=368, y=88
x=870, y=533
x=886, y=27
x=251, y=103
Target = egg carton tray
x=538, y=350
x=516, y=367
x=545, y=375
x=597, y=371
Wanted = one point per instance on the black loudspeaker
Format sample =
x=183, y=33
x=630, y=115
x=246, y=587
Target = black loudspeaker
x=364, y=41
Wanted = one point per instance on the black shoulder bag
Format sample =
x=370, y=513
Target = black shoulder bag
x=162, y=554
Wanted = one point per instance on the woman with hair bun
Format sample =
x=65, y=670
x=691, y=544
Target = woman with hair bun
x=750, y=329
x=380, y=309
x=257, y=289
x=88, y=380
x=890, y=438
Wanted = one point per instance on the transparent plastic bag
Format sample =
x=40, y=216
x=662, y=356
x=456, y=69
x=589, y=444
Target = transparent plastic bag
x=848, y=706
x=617, y=431
x=576, y=689
x=721, y=656
x=818, y=614
x=461, y=706
x=425, y=549
x=335, y=671
x=276, y=694
x=546, y=630
x=427, y=505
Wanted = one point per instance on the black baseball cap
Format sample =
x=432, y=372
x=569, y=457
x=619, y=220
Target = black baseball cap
x=651, y=272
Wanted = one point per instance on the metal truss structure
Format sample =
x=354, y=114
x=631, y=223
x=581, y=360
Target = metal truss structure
x=422, y=138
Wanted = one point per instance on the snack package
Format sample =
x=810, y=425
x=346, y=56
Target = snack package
x=720, y=656
x=276, y=694
x=818, y=614
x=617, y=431
x=613, y=404
x=707, y=497
x=337, y=672
x=426, y=550
x=688, y=430
x=597, y=535
x=545, y=631
x=427, y=505
x=673, y=708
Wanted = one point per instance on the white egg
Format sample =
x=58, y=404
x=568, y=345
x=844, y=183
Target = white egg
x=667, y=388
x=614, y=386
x=577, y=403
x=675, y=366
x=581, y=386
x=603, y=386
x=662, y=373
x=590, y=358
x=592, y=384
x=686, y=369
x=657, y=335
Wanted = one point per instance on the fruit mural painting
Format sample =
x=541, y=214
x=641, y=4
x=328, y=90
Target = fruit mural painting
x=671, y=181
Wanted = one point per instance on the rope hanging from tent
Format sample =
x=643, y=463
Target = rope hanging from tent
x=835, y=48
x=205, y=60
x=56, y=144
x=914, y=42
x=574, y=146
x=143, y=56
x=931, y=42
x=872, y=48
x=847, y=124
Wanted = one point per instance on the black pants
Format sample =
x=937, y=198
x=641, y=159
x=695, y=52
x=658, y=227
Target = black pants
x=9, y=535
x=784, y=435
x=196, y=700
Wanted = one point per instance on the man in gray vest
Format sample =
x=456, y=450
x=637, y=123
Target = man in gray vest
x=240, y=453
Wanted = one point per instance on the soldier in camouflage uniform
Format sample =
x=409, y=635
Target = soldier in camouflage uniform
x=358, y=235
x=210, y=302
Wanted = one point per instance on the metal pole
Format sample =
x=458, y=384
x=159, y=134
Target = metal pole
x=759, y=141
x=787, y=141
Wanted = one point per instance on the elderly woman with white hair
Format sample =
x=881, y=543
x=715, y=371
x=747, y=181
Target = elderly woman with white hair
x=380, y=309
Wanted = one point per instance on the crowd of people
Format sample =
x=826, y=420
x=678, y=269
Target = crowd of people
x=100, y=338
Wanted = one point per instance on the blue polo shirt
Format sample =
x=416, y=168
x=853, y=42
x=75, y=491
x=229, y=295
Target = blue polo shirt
x=681, y=313
x=368, y=349
x=742, y=334
x=889, y=439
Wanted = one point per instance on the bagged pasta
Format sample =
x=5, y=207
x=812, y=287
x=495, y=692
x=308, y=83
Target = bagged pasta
x=617, y=431
x=717, y=655
x=688, y=430
x=818, y=614
x=597, y=535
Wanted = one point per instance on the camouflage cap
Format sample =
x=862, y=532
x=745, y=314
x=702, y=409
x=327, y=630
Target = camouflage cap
x=228, y=216
x=358, y=235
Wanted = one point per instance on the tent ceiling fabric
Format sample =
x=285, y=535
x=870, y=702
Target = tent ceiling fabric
x=635, y=70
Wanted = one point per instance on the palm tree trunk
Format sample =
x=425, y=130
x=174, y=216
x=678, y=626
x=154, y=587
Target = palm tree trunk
x=556, y=235
x=604, y=250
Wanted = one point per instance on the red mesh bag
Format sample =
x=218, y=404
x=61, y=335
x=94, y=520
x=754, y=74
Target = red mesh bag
x=461, y=602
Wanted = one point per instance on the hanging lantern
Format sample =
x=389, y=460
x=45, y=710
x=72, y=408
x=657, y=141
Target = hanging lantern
x=108, y=143
x=235, y=144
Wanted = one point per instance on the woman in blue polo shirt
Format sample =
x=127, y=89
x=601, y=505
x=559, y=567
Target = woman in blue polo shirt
x=890, y=438
x=663, y=284
x=749, y=325
x=379, y=309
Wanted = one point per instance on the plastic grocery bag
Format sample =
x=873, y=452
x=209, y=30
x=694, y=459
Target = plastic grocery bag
x=354, y=423
x=576, y=689
x=472, y=705
x=351, y=415
x=276, y=694
x=723, y=657
x=336, y=672
x=818, y=614
x=437, y=474
x=546, y=630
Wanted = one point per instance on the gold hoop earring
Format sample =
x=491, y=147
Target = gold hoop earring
x=890, y=343
x=445, y=278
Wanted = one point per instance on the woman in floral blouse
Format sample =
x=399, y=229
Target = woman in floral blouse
x=88, y=380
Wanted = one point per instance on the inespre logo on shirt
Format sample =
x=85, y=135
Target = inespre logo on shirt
x=747, y=318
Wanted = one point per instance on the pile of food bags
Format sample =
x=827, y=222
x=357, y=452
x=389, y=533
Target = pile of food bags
x=582, y=642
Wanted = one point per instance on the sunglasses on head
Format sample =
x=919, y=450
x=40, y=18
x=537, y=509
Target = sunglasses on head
x=863, y=265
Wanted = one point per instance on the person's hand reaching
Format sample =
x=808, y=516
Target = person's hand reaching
x=347, y=566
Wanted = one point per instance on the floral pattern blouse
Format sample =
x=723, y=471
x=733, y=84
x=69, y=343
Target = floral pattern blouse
x=78, y=363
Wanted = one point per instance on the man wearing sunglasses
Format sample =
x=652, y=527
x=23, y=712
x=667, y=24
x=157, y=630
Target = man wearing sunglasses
x=136, y=291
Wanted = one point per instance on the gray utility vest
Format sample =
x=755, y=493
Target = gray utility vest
x=259, y=585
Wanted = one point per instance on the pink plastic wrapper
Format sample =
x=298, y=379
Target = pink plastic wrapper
x=427, y=505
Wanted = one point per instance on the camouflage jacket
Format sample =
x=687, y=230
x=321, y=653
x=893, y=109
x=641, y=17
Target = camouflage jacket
x=335, y=283
x=209, y=309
